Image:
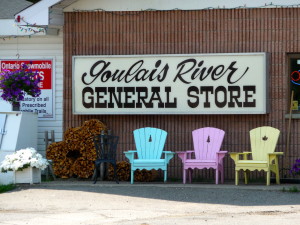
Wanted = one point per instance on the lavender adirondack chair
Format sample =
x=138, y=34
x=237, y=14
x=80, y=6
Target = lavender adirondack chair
x=206, y=153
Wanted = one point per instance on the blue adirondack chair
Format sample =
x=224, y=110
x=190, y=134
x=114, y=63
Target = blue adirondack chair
x=149, y=150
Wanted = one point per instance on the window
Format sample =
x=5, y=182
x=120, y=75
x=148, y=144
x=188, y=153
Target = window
x=294, y=65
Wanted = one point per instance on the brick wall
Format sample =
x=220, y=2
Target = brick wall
x=272, y=30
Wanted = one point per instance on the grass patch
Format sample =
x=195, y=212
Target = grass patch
x=291, y=189
x=47, y=179
x=6, y=187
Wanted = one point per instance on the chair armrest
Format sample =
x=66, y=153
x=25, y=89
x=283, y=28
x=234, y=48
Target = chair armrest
x=222, y=152
x=235, y=155
x=274, y=156
x=189, y=151
x=168, y=155
x=130, y=155
x=276, y=153
x=185, y=155
x=220, y=156
x=244, y=153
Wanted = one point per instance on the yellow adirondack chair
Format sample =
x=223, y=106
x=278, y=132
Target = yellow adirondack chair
x=263, y=144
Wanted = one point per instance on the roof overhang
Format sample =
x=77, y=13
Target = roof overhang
x=49, y=14
x=36, y=14
x=46, y=14
x=10, y=28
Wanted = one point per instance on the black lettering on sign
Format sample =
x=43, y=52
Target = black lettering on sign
x=128, y=97
x=169, y=104
x=87, y=97
x=142, y=95
x=114, y=98
x=129, y=103
x=221, y=96
x=156, y=97
x=234, y=95
x=191, y=90
x=133, y=70
x=100, y=93
x=136, y=72
x=248, y=90
x=95, y=74
x=206, y=90
x=232, y=70
x=189, y=70
x=221, y=93
x=182, y=72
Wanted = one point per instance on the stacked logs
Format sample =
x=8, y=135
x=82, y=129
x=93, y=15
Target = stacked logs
x=75, y=155
x=123, y=172
x=145, y=175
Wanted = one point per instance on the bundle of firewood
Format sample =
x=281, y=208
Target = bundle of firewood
x=123, y=172
x=75, y=155
x=145, y=175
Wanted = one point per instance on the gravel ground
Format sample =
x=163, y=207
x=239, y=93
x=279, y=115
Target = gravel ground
x=81, y=202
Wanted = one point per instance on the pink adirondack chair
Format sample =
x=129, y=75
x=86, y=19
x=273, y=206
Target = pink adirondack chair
x=206, y=154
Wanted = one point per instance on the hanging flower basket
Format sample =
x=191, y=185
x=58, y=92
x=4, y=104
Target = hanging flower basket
x=15, y=84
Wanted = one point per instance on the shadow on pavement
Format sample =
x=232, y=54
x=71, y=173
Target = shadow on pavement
x=228, y=194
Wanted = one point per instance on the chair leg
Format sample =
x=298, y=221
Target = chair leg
x=184, y=176
x=102, y=170
x=246, y=174
x=217, y=176
x=222, y=175
x=132, y=177
x=95, y=176
x=268, y=177
x=165, y=175
x=236, y=177
x=96, y=173
x=190, y=175
x=276, y=171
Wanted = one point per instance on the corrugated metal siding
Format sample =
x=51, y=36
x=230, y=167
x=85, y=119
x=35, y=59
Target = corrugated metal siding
x=39, y=48
x=275, y=31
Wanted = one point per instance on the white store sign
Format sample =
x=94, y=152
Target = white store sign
x=171, y=84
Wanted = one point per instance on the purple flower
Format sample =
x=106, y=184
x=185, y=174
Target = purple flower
x=295, y=170
x=15, y=84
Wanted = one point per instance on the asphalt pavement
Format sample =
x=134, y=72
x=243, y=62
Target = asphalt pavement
x=82, y=202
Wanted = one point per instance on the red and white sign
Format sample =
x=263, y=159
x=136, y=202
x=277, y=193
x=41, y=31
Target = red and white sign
x=43, y=105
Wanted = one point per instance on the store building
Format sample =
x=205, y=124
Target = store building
x=30, y=38
x=183, y=66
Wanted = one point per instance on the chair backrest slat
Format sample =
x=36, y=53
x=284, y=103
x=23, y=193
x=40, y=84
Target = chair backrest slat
x=263, y=141
x=106, y=146
x=149, y=142
x=207, y=141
